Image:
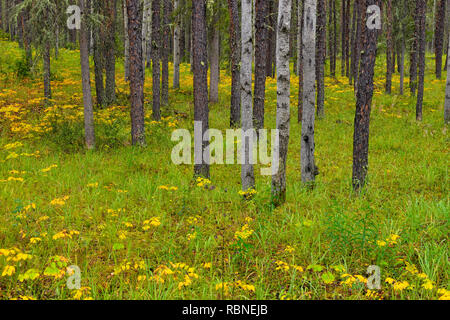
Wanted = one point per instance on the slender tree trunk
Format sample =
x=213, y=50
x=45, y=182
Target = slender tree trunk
x=389, y=48
x=126, y=42
x=156, y=44
x=165, y=52
x=402, y=66
x=214, y=75
x=343, y=35
x=260, y=64
x=439, y=36
x=110, y=55
x=145, y=21
x=283, y=100
x=89, y=133
x=201, y=111
x=414, y=54
x=364, y=100
x=134, y=11
x=331, y=4
x=447, y=90
x=235, y=45
x=308, y=166
x=47, y=74
x=99, y=59
x=301, y=62
x=360, y=13
x=247, y=175
x=353, y=43
x=347, y=39
x=320, y=56
x=421, y=63
x=270, y=31
x=334, y=45
x=176, y=46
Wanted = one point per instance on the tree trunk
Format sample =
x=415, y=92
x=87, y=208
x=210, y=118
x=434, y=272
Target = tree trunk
x=320, y=56
x=353, y=43
x=421, y=63
x=402, y=66
x=89, y=133
x=413, y=54
x=331, y=36
x=343, y=35
x=176, y=46
x=439, y=36
x=110, y=56
x=301, y=61
x=270, y=37
x=156, y=36
x=235, y=40
x=99, y=59
x=447, y=90
x=126, y=42
x=134, y=11
x=165, y=52
x=389, y=48
x=364, y=100
x=347, y=39
x=283, y=100
x=247, y=175
x=47, y=74
x=308, y=167
x=260, y=64
x=214, y=75
x=201, y=111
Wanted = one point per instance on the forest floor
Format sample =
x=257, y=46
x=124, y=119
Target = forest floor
x=140, y=227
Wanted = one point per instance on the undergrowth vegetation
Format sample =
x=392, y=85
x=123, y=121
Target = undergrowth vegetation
x=140, y=227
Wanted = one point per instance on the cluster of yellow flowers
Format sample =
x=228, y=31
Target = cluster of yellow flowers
x=59, y=201
x=238, y=284
x=203, y=182
x=155, y=222
x=391, y=240
x=248, y=194
x=168, y=188
x=65, y=234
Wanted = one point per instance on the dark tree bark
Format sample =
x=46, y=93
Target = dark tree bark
x=156, y=66
x=447, y=90
x=359, y=8
x=320, y=56
x=413, y=53
x=99, y=59
x=343, y=35
x=235, y=40
x=110, y=56
x=347, y=38
x=422, y=4
x=89, y=133
x=300, y=62
x=364, y=101
x=134, y=10
x=332, y=36
x=389, y=47
x=353, y=42
x=201, y=110
x=47, y=73
x=439, y=36
x=167, y=12
x=214, y=58
x=260, y=64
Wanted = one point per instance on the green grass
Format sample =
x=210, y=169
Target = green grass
x=290, y=251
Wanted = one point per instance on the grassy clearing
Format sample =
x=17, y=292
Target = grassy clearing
x=139, y=227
